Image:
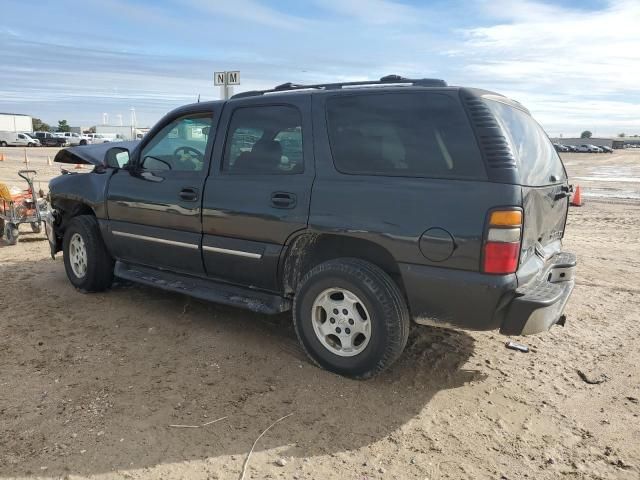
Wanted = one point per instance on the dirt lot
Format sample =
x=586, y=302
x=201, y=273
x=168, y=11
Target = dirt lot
x=89, y=384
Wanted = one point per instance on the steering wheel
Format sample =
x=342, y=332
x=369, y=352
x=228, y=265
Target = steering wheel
x=195, y=153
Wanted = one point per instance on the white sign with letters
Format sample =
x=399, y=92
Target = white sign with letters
x=226, y=78
x=233, y=78
x=219, y=78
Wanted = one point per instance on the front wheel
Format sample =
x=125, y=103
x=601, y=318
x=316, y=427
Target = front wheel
x=88, y=265
x=351, y=317
x=11, y=233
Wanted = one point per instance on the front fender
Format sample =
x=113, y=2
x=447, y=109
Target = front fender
x=89, y=189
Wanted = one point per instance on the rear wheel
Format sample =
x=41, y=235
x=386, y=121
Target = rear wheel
x=88, y=265
x=351, y=318
x=3, y=144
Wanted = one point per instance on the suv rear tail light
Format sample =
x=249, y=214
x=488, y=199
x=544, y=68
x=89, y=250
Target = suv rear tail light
x=501, y=249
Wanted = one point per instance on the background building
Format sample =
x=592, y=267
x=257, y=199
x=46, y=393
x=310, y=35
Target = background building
x=15, y=122
x=121, y=132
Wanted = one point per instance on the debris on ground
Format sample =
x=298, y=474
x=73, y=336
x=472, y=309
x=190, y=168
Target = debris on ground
x=517, y=346
x=591, y=381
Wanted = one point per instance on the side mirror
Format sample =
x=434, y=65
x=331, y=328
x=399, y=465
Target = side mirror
x=117, y=157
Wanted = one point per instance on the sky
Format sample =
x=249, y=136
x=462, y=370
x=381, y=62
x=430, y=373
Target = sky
x=574, y=64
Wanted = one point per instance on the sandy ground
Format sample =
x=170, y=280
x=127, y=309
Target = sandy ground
x=89, y=384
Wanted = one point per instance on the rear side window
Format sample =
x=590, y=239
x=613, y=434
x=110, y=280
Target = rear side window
x=403, y=134
x=537, y=160
x=264, y=140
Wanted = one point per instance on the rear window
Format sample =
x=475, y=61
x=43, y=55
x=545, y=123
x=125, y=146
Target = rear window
x=537, y=160
x=402, y=134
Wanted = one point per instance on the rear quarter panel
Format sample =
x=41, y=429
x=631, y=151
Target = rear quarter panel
x=395, y=212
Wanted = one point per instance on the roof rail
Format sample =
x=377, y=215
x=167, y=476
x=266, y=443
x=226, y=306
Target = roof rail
x=386, y=80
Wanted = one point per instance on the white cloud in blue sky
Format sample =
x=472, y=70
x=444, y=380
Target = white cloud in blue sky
x=574, y=64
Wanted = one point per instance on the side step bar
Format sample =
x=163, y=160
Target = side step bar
x=204, y=289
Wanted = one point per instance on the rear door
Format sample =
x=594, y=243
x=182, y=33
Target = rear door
x=259, y=189
x=543, y=179
x=154, y=207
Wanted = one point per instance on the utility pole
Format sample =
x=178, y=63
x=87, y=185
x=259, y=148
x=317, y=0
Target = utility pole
x=133, y=123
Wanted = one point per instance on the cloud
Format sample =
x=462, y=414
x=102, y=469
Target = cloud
x=375, y=12
x=572, y=67
x=249, y=10
x=552, y=54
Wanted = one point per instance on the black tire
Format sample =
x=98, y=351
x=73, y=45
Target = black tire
x=11, y=233
x=83, y=142
x=36, y=227
x=3, y=144
x=381, y=297
x=99, y=269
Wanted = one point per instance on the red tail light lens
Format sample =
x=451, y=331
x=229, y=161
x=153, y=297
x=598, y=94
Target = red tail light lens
x=500, y=257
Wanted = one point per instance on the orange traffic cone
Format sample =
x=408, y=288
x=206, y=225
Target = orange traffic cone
x=1, y=157
x=78, y=166
x=576, y=200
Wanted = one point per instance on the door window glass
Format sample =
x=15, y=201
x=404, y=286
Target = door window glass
x=180, y=146
x=264, y=140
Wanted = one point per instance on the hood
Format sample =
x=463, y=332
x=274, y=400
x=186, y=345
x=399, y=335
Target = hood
x=91, y=154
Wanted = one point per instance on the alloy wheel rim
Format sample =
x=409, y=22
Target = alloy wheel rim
x=341, y=322
x=78, y=255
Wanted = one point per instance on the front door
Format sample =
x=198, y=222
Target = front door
x=154, y=206
x=259, y=190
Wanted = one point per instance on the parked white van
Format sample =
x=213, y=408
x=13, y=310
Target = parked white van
x=15, y=139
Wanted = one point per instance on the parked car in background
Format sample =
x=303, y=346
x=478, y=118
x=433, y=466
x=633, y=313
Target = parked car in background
x=48, y=139
x=16, y=139
x=73, y=138
x=572, y=148
x=586, y=148
x=560, y=148
x=96, y=138
x=238, y=202
x=606, y=149
x=36, y=142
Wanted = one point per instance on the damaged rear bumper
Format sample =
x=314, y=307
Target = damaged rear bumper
x=539, y=304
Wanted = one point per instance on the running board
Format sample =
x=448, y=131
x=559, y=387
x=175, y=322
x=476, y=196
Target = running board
x=204, y=289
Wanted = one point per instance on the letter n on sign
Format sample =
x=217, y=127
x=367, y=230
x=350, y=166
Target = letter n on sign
x=218, y=78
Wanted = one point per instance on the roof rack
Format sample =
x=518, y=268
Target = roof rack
x=389, y=79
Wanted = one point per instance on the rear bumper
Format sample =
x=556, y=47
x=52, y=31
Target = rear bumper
x=457, y=298
x=476, y=301
x=539, y=304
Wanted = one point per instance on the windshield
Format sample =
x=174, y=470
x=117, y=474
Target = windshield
x=537, y=160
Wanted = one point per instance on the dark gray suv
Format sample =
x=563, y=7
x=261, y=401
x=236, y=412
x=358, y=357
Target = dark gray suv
x=358, y=206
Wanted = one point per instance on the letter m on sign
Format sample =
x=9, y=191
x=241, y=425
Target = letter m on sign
x=233, y=78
